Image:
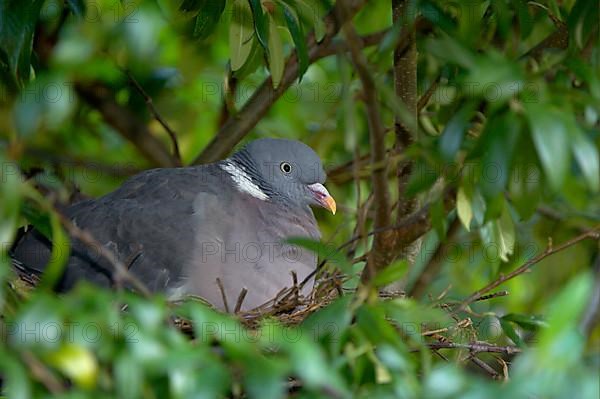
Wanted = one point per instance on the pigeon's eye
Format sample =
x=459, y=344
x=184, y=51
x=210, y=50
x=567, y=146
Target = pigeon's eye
x=285, y=167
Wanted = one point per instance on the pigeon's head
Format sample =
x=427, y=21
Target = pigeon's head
x=288, y=169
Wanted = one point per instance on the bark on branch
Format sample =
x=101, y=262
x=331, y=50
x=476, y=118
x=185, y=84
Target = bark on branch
x=126, y=123
x=377, y=131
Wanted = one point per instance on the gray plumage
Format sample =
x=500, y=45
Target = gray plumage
x=180, y=229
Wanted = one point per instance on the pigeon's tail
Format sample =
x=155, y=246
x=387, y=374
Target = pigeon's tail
x=30, y=252
x=23, y=272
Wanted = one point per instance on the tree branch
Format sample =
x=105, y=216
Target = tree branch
x=236, y=127
x=550, y=250
x=125, y=122
x=475, y=347
x=157, y=116
x=405, y=85
x=378, y=254
x=121, y=272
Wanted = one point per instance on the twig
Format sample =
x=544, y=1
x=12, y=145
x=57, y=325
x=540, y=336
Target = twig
x=124, y=121
x=223, y=296
x=120, y=270
x=346, y=172
x=424, y=99
x=42, y=373
x=485, y=367
x=230, y=84
x=240, y=300
x=491, y=296
x=590, y=234
x=475, y=347
x=559, y=39
x=157, y=116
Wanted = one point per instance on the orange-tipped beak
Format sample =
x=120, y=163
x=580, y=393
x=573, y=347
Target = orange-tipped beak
x=323, y=197
x=330, y=204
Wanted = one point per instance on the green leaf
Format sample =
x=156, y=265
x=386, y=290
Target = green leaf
x=500, y=234
x=498, y=145
x=329, y=322
x=586, y=73
x=525, y=187
x=314, y=12
x=191, y=6
x=436, y=15
x=586, y=155
x=439, y=219
x=525, y=19
x=299, y=39
x=260, y=23
x=551, y=141
x=265, y=378
x=15, y=380
x=276, y=59
x=128, y=377
x=324, y=251
x=391, y=273
x=11, y=201
x=241, y=33
x=306, y=357
x=77, y=7
x=506, y=234
x=255, y=59
x=582, y=20
x=528, y=322
x=17, y=25
x=76, y=362
x=39, y=220
x=208, y=18
x=422, y=177
x=59, y=255
x=463, y=207
x=511, y=333
x=454, y=132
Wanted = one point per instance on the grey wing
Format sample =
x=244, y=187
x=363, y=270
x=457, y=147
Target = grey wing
x=147, y=223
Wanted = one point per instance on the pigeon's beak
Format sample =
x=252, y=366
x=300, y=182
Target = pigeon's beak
x=323, y=197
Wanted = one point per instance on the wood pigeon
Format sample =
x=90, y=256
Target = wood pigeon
x=180, y=229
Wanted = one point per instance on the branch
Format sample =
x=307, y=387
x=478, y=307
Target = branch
x=550, y=250
x=157, y=116
x=238, y=126
x=559, y=39
x=42, y=373
x=405, y=87
x=475, y=347
x=377, y=131
x=125, y=122
x=122, y=273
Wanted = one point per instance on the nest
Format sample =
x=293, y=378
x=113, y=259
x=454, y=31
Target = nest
x=289, y=307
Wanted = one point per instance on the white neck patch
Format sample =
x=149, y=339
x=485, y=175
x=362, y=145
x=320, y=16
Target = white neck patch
x=243, y=182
